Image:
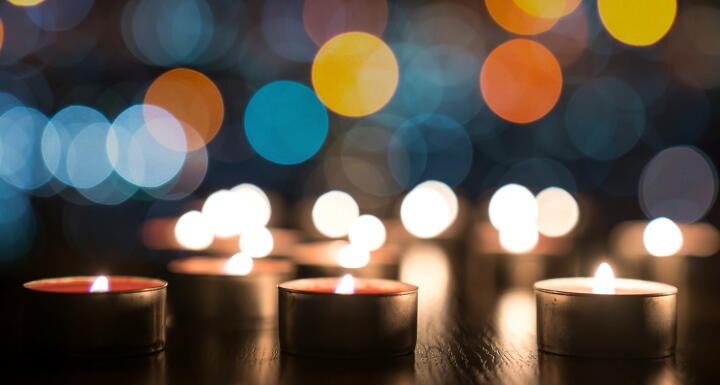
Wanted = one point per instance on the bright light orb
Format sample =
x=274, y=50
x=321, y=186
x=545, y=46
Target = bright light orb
x=352, y=257
x=547, y=9
x=25, y=3
x=333, y=213
x=519, y=239
x=637, y=22
x=662, y=237
x=239, y=264
x=255, y=206
x=558, y=212
x=355, y=74
x=257, y=242
x=512, y=205
x=222, y=209
x=367, y=232
x=427, y=210
x=192, y=231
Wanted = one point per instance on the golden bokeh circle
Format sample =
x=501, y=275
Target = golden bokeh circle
x=637, y=22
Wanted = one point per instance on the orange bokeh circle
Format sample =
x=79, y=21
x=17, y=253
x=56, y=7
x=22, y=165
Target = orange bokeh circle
x=521, y=81
x=193, y=99
x=513, y=19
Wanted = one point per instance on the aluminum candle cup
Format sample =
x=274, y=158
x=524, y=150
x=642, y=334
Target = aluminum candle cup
x=202, y=288
x=378, y=320
x=61, y=316
x=637, y=321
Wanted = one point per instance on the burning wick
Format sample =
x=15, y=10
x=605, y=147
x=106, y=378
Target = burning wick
x=604, y=282
x=239, y=264
x=100, y=285
x=346, y=285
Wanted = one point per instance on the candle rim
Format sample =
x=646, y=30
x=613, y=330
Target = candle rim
x=174, y=267
x=162, y=284
x=410, y=287
x=664, y=288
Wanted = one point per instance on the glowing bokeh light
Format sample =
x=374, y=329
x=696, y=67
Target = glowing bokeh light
x=604, y=280
x=222, y=210
x=285, y=122
x=346, y=285
x=73, y=146
x=194, y=100
x=679, y=183
x=638, y=22
x=355, y=74
x=2, y=33
x=59, y=15
x=514, y=19
x=193, y=231
x=604, y=118
x=519, y=239
x=548, y=9
x=255, y=206
x=428, y=209
x=135, y=152
x=512, y=205
x=662, y=237
x=367, y=232
x=239, y=264
x=21, y=162
x=326, y=19
x=558, y=212
x=521, y=81
x=187, y=181
x=256, y=242
x=333, y=212
x=25, y=3
x=353, y=256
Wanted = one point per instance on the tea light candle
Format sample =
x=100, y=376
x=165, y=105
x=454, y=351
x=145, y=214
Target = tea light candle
x=239, y=291
x=603, y=316
x=347, y=317
x=94, y=316
x=335, y=258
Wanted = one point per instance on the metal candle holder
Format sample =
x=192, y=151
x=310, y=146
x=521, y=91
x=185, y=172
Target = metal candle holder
x=378, y=322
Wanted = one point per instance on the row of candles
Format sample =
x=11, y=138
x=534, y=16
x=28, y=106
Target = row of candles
x=333, y=312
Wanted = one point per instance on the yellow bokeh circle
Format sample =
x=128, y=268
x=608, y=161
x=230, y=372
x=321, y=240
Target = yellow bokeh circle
x=25, y=3
x=355, y=74
x=548, y=9
x=637, y=22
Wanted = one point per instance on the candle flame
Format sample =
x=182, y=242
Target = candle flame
x=604, y=282
x=100, y=285
x=346, y=285
x=239, y=264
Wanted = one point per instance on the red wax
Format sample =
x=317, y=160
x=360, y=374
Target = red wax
x=216, y=266
x=82, y=284
x=361, y=285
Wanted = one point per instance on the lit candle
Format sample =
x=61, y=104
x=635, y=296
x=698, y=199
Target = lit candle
x=237, y=292
x=603, y=316
x=347, y=317
x=94, y=316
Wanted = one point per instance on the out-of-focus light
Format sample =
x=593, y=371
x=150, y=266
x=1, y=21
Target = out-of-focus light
x=640, y=22
x=426, y=265
x=25, y=3
x=325, y=19
x=257, y=242
x=187, y=181
x=662, y=237
x=59, y=15
x=222, y=209
x=193, y=231
x=136, y=153
x=516, y=20
x=255, y=206
x=570, y=37
x=520, y=238
x=282, y=27
x=604, y=118
x=353, y=256
x=679, y=183
x=22, y=37
x=521, y=80
x=2, y=33
x=515, y=316
x=355, y=74
x=21, y=162
x=548, y=9
x=239, y=264
x=367, y=232
x=558, y=212
x=428, y=210
x=346, y=285
x=194, y=100
x=285, y=122
x=512, y=205
x=100, y=285
x=333, y=213
x=74, y=146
